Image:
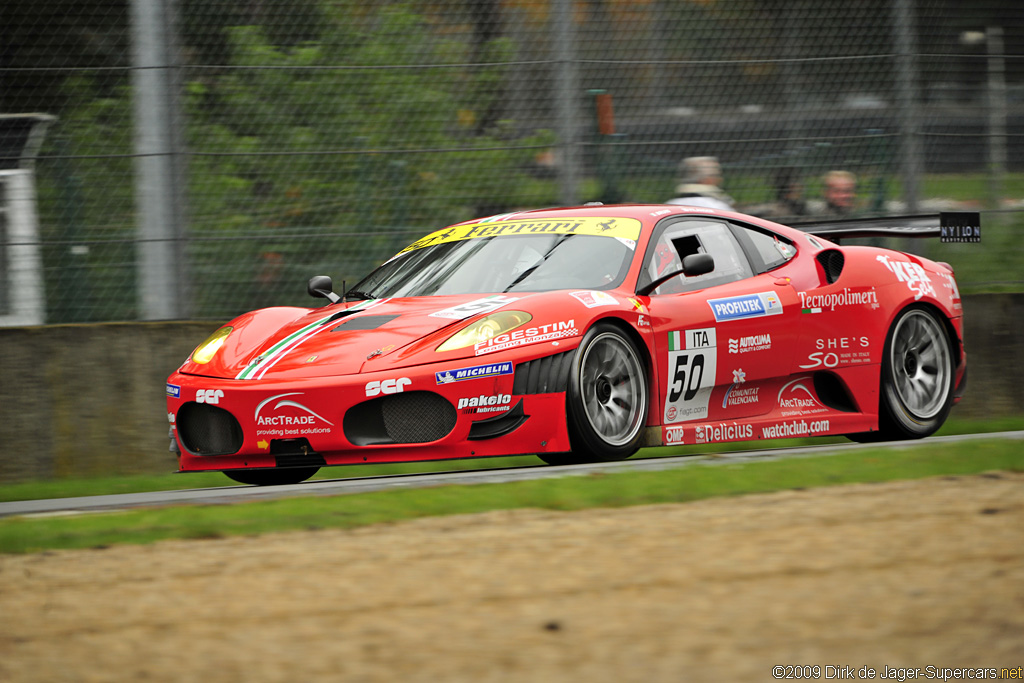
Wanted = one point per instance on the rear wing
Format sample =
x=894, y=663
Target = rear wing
x=950, y=226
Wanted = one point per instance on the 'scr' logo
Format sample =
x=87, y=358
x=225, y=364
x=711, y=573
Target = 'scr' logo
x=387, y=386
x=211, y=396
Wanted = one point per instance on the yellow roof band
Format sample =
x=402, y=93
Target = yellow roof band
x=625, y=228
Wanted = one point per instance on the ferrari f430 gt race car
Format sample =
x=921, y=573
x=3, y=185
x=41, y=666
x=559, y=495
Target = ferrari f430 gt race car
x=578, y=334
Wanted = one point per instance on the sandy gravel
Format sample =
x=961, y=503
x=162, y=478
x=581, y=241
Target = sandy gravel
x=907, y=574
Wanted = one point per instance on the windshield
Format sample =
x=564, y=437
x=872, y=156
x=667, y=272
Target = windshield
x=508, y=263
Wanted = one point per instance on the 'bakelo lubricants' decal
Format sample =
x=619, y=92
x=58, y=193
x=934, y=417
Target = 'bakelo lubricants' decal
x=692, y=358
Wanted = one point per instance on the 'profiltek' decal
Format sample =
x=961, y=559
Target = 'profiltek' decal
x=747, y=306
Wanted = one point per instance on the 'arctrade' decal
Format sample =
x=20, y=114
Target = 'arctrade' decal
x=748, y=306
x=288, y=418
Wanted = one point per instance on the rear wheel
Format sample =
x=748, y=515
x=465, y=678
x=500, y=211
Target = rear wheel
x=917, y=378
x=290, y=475
x=606, y=400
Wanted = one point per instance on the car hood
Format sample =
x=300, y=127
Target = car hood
x=345, y=339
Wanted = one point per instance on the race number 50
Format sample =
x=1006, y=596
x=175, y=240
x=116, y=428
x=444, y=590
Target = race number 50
x=687, y=366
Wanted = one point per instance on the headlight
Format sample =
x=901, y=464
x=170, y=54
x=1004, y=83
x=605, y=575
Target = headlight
x=485, y=328
x=205, y=352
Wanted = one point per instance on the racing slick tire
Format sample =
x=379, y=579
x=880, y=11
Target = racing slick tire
x=290, y=475
x=606, y=400
x=917, y=384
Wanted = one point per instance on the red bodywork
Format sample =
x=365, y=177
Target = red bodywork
x=810, y=367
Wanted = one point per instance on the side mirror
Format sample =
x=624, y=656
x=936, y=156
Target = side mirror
x=693, y=264
x=321, y=286
x=698, y=264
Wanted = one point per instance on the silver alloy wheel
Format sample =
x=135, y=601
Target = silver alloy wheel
x=921, y=365
x=613, y=389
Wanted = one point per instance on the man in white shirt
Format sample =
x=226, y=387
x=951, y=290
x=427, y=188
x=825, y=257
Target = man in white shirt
x=699, y=186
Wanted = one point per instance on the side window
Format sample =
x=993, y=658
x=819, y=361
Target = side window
x=678, y=240
x=768, y=248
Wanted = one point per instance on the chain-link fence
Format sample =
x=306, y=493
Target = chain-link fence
x=208, y=156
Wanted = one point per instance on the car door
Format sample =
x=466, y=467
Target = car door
x=721, y=339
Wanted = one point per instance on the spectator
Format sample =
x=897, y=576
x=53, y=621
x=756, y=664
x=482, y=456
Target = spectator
x=699, y=184
x=840, y=194
x=789, y=197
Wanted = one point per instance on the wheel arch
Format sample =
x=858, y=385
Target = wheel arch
x=634, y=336
x=580, y=426
x=947, y=325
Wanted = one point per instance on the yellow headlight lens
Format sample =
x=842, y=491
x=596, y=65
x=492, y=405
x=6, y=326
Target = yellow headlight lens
x=485, y=328
x=205, y=352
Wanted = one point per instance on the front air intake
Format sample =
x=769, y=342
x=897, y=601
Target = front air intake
x=207, y=430
x=408, y=417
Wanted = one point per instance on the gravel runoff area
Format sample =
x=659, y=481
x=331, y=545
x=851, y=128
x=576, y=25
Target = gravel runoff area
x=896, y=576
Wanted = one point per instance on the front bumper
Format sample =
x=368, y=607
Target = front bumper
x=429, y=412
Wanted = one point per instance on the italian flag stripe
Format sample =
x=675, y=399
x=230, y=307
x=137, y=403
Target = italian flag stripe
x=275, y=353
x=280, y=347
x=675, y=341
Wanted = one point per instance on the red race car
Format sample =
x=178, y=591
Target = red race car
x=579, y=335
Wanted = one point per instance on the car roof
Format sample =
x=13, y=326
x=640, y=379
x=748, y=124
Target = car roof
x=647, y=214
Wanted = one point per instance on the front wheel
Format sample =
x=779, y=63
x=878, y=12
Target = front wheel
x=917, y=378
x=606, y=400
x=290, y=475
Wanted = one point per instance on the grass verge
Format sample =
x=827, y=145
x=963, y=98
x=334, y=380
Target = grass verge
x=101, y=486
x=137, y=483
x=921, y=459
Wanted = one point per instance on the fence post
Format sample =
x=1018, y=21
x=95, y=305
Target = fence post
x=566, y=96
x=907, y=102
x=996, y=95
x=159, y=182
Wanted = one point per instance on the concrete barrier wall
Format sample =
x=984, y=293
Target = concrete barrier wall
x=89, y=399
x=82, y=400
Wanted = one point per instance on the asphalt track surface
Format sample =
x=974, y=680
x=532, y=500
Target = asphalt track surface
x=341, y=486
